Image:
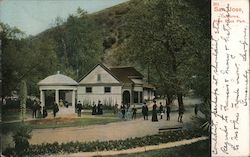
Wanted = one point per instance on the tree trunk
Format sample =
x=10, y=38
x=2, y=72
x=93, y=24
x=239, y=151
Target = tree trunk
x=169, y=99
x=64, y=51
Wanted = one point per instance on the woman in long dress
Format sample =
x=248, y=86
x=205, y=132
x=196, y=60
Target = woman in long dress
x=154, y=113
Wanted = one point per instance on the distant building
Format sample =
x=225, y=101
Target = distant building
x=113, y=86
x=110, y=86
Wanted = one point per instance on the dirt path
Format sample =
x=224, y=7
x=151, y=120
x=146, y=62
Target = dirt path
x=111, y=131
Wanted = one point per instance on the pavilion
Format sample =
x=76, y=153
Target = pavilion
x=57, y=83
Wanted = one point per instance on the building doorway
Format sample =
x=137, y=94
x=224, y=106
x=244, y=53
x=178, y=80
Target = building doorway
x=126, y=97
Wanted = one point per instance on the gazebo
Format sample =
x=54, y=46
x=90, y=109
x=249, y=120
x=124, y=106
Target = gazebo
x=56, y=83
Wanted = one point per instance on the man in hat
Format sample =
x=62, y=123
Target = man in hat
x=134, y=109
x=34, y=108
x=79, y=108
x=161, y=110
x=123, y=109
x=55, y=109
x=145, y=111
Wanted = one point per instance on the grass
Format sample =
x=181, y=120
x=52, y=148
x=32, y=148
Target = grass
x=198, y=149
x=74, y=123
x=60, y=123
x=10, y=115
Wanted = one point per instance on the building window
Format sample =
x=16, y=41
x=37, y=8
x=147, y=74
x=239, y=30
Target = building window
x=107, y=89
x=98, y=77
x=141, y=97
x=88, y=89
x=135, y=97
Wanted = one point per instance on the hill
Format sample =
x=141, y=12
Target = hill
x=110, y=22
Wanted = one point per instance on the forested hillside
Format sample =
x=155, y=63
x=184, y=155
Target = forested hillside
x=168, y=39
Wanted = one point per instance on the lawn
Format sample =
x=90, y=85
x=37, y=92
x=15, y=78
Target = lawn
x=13, y=114
x=198, y=149
x=61, y=122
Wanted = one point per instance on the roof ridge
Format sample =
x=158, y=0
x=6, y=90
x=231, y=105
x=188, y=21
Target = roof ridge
x=121, y=67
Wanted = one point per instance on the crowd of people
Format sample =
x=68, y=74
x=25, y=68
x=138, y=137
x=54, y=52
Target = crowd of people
x=156, y=112
x=41, y=112
x=38, y=111
x=96, y=109
x=125, y=110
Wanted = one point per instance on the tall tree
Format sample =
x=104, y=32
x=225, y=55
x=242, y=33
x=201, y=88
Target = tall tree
x=23, y=98
x=31, y=59
x=163, y=35
x=83, y=42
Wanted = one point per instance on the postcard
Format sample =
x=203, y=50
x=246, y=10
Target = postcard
x=124, y=78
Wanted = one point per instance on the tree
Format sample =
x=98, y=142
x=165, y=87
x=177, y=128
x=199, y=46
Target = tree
x=162, y=36
x=77, y=42
x=29, y=59
x=23, y=98
x=9, y=44
x=84, y=42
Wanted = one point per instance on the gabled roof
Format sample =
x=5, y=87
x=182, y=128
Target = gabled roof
x=57, y=80
x=104, y=67
x=121, y=74
x=125, y=74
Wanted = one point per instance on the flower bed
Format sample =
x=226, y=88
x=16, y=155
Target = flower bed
x=73, y=147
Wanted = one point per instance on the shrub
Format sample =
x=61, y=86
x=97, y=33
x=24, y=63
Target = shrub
x=73, y=147
x=9, y=152
x=21, y=138
x=203, y=123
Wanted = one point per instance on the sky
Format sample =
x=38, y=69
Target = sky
x=35, y=16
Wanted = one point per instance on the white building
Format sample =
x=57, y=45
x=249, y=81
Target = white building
x=110, y=86
x=58, y=83
x=113, y=86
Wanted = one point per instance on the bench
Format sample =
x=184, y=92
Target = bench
x=162, y=130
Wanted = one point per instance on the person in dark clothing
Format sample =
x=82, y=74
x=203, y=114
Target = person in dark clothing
x=34, y=108
x=39, y=109
x=79, y=109
x=55, y=109
x=196, y=110
x=145, y=111
x=154, y=113
x=128, y=106
x=123, y=109
x=115, y=108
x=168, y=111
x=45, y=113
x=134, y=109
x=99, y=108
x=181, y=112
x=161, y=110
x=94, y=109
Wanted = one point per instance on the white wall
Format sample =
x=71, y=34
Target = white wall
x=148, y=94
x=138, y=89
x=145, y=95
x=137, y=81
x=98, y=94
